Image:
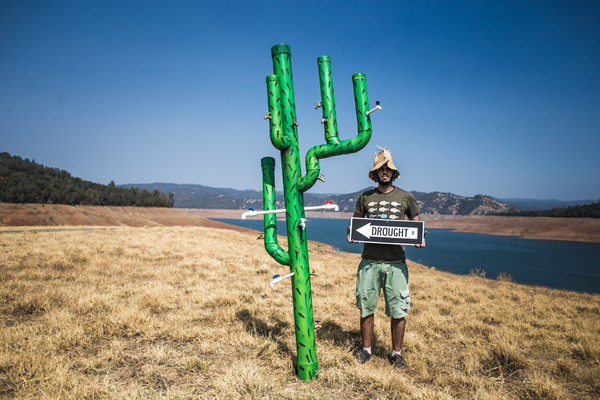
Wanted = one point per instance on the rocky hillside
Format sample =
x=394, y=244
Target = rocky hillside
x=199, y=196
x=436, y=203
x=452, y=204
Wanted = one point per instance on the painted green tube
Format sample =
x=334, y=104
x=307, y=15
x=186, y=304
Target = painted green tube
x=283, y=131
x=334, y=146
x=278, y=138
x=282, y=68
x=294, y=204
x=328, y=100
x=270, y=220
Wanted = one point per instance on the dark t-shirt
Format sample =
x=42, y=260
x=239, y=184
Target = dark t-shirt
x=393, y=205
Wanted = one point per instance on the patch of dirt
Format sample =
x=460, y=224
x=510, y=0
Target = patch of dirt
x=547, y=228
x=61, y=215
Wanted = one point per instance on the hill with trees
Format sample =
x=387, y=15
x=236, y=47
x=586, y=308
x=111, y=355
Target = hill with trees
x=526, y=204
x=25, y=181
x=582, y=211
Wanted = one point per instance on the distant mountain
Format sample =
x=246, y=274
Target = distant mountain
x=199, y=196
x=581, y=211
x=25, y=181
x=539, y=205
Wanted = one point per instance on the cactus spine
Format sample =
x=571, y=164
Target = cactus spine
x=283, y=129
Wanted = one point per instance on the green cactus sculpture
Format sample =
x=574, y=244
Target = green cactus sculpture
x=284, y=136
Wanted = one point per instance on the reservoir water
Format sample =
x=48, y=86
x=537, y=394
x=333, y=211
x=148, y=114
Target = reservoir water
x=555, y=264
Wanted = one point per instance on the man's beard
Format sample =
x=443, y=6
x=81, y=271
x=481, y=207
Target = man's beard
x=385, y=184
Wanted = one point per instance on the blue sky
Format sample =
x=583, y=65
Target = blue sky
x=493, y=97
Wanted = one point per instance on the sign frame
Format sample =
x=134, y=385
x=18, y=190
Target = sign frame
x=359, y=223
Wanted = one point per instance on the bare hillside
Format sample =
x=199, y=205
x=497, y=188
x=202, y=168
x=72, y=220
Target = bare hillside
x=59, y=215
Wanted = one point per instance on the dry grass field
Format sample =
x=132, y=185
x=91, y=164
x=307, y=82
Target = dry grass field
x=187, y=312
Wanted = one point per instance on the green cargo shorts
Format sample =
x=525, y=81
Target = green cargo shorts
x=393, y=278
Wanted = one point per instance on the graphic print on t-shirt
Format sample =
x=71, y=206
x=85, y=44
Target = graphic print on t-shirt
x=385, y=210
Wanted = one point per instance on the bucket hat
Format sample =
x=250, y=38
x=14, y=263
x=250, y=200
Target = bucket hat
x=381, y=158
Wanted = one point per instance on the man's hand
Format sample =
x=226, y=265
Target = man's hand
x=348, y=236
x=419, y=246
x=356, y=215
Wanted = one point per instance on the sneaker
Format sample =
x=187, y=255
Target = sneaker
x=363, y=356
x=397, y=361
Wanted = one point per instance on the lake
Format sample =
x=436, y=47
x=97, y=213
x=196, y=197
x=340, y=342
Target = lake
x=556, y=264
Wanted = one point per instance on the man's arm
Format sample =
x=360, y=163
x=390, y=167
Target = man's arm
x=418, y=246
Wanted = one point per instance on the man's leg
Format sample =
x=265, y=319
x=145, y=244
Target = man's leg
x=366, y=329
x=397, y=326
x=367, y=294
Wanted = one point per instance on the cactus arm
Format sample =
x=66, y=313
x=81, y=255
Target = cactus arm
x=270, y=220
x=328, y=100
x=282, y=68
x=334, y=146
x=278, y=138
x=361, y=103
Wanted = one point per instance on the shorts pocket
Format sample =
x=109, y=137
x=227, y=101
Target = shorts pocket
x=367, y=287
x=405, y=298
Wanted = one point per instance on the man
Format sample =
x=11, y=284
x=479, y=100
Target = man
x=384, y=266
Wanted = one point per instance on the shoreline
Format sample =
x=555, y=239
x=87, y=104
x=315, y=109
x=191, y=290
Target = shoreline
x=586, y=230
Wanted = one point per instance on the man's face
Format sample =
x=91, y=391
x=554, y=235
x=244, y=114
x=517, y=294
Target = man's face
x=385, y=175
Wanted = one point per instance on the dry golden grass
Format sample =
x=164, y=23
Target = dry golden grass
x=182, y=313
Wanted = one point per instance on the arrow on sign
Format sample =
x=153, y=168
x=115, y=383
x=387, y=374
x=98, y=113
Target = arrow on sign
x=370, y=231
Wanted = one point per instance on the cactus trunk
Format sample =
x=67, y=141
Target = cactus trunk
x=283, y=129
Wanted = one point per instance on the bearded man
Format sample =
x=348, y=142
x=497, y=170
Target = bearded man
x=383, y=266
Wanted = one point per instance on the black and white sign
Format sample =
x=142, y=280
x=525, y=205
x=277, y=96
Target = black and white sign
x=384, y=231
